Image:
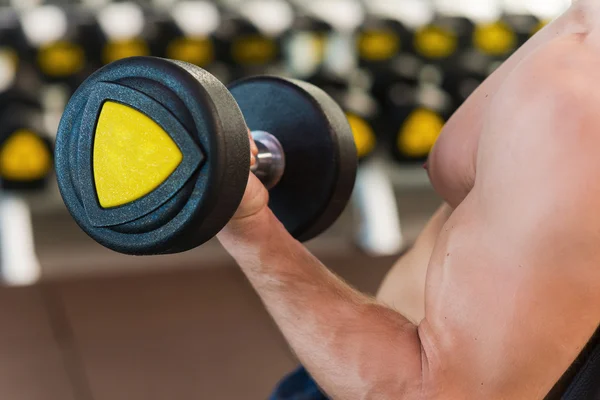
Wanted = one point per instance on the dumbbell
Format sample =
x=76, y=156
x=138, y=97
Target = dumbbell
x=9, y=66
x=380, y=40
x=361, y=109
x=246, y=39
x=498, y=39
x=465, y=74
x=438, y=45
x=54, y=44
x=184, y=32
x=442, y=38
x=479, y=47
x=384, y=50
x=523, y=26
x=25, y=148
x=118, y=30
x=11, y=41
x=153, y=157
x=417, y=115
x=362, y=112
x=305, y=45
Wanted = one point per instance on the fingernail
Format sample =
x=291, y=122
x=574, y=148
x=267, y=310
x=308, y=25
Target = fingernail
x=426, y=166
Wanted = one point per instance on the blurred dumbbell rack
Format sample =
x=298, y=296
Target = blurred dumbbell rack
x=398, y=68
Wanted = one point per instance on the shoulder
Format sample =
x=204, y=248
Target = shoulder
x=561, y=76
x=546, y=115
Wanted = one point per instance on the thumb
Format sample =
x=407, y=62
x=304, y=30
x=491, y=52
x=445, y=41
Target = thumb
x=255, y=200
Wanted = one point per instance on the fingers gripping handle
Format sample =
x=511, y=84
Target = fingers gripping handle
x=270, y=161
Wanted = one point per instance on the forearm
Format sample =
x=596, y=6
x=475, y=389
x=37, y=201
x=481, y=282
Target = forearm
x=353, y=347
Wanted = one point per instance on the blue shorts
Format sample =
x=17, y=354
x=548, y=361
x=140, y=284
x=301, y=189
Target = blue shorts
x=299, y=385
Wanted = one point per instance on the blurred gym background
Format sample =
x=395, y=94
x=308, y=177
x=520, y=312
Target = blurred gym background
x=78, y=321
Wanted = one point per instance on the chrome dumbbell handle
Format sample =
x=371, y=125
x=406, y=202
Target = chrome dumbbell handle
x=270, y=162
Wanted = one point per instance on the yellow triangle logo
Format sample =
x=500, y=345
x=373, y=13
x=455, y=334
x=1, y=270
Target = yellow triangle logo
x=132, y=155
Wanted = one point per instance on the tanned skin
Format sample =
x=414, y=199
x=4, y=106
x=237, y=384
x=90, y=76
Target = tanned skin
x=502, y=290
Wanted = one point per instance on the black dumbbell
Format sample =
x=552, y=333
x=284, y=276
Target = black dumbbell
x=417, y=115
x=55, y=44
x=499, y=39
x=379, y=43
x=385, y=51
x=246, y=48
x=362, y=112
x=153, y=156
x=441, y=39
x=185, y=32
x=491, y=44
x=381, y=39
x=11, y=43
x=467, y=71
x=9, y=67
x=25, y=148
x=305, y=46
x=361, y=108
x=118, y=30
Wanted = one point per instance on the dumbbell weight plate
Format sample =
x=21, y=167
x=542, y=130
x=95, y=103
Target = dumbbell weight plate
x=320, y=153
x=173, y=116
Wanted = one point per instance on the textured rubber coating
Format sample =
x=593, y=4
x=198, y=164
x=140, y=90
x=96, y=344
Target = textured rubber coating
x=190, y=209
x=319, y=148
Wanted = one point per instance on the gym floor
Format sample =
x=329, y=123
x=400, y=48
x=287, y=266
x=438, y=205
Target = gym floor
x=185, y=335
x=169, y=331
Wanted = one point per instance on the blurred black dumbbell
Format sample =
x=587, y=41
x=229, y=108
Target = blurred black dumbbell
x=25, y=147
x=118, y=30
x=499, y=39
x=11, y=41
x=310, y=39
x=417, y=116
x=55, y=44
x=385, y=52
x=382, y=44
x=361, y=109
x=363, y=112
x=492, y=43
x=523, y=25
x=380, y=40
x=442, y=38
x=184, y=32
x=439, y=45
x=250, y=39
x=464, y=75
x=305, y=45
